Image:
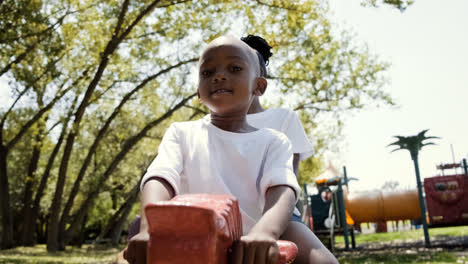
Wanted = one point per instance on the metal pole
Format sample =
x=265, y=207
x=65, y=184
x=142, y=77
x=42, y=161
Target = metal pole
x=305, y=189
x=422, y=204
x=453, y=158
x=345, y=175
x=465, y=167
x=342, y=212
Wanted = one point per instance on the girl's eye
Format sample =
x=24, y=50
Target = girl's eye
x=236, y=68
x=206, y=73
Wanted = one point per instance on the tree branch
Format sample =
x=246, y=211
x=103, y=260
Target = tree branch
x=2, y=123
x=122, y=14
x=173, y=3
x=126, y=147
x=41, y=112
x=277, y=6
x=100, y=136
x=137, y=20
x=18, y=59
x=311, y=80
x=49, y=28
x=196, y=110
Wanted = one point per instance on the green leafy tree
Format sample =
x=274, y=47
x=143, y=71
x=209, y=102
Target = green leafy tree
x=106, y=79
x=414, y=144
x=29, y=53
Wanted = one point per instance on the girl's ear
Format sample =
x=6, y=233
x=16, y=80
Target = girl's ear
x=198, y=95
x=261, y=85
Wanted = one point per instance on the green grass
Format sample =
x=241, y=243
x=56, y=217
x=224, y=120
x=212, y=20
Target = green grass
x=404, y=255
x=73, y=255
x=101, y=254
x=407, y=235
x=416, y=257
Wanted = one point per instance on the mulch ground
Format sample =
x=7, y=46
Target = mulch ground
x=457, y=245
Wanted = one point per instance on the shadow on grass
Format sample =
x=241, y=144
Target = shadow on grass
x=73, y=255
x=391, y=257
x=448, y=245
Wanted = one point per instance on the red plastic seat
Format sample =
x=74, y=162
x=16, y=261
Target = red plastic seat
x=198, y=229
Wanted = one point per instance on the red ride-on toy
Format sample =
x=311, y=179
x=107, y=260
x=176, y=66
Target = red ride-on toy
x=198, y=229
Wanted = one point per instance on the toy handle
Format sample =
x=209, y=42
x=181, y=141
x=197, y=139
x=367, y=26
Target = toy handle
x=198, y=227
x=287, y=251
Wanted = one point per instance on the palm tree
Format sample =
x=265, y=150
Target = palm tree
x=414, y=144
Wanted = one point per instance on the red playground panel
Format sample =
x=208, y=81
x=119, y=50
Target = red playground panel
x=198, y=229
x=447, y=200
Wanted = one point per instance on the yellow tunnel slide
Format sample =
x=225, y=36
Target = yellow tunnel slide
x=376, y=206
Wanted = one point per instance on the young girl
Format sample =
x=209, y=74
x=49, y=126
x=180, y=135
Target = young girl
x=227, y=155
x=280, y=119
x=286, y=121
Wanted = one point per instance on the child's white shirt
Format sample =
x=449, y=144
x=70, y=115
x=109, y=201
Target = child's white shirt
x=287, y=122
x=198, y=157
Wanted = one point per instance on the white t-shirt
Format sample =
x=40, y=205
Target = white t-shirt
x=286, y=121
x=198, y=157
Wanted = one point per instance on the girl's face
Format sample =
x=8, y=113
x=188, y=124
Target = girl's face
x=227, y=77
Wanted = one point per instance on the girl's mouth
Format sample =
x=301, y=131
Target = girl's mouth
x=221, y=91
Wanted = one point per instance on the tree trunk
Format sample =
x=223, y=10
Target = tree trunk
x=427, y=242
x=7, y=237
x=100, y=136
x=117, y=230
x=7, y=222
x=53, y=229
x=81, y=236
x=7, y=218
x=127, y=146
x=46, y=174
x=114, y=228
x=41, y=227
x=54, y=212
x=44, y=179
x=55, y=239
x=27, y=237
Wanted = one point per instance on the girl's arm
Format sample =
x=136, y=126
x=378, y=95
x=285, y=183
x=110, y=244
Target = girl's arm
x=155, y=190
x=296, y=164
x=259, y=246
x=279, y=205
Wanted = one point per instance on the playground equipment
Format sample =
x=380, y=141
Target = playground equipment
x=198, y=229
x=335, y=210
x=378, y=206
x=447, y=197
x=326, y=214
x=446, y=200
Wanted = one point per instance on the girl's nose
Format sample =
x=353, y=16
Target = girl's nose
x=219, y=76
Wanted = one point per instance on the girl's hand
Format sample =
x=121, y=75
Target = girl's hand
x=255, y=248
x=135, y=253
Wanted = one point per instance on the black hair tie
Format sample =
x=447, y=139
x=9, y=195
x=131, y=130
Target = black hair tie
x=260, y=45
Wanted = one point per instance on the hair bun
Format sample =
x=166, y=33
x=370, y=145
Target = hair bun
x=260, y=45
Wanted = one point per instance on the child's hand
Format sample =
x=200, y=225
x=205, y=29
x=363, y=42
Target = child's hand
x=255, y=248
x=135, y=253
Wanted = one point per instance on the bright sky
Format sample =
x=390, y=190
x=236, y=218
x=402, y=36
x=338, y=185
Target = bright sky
x=427, y=46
